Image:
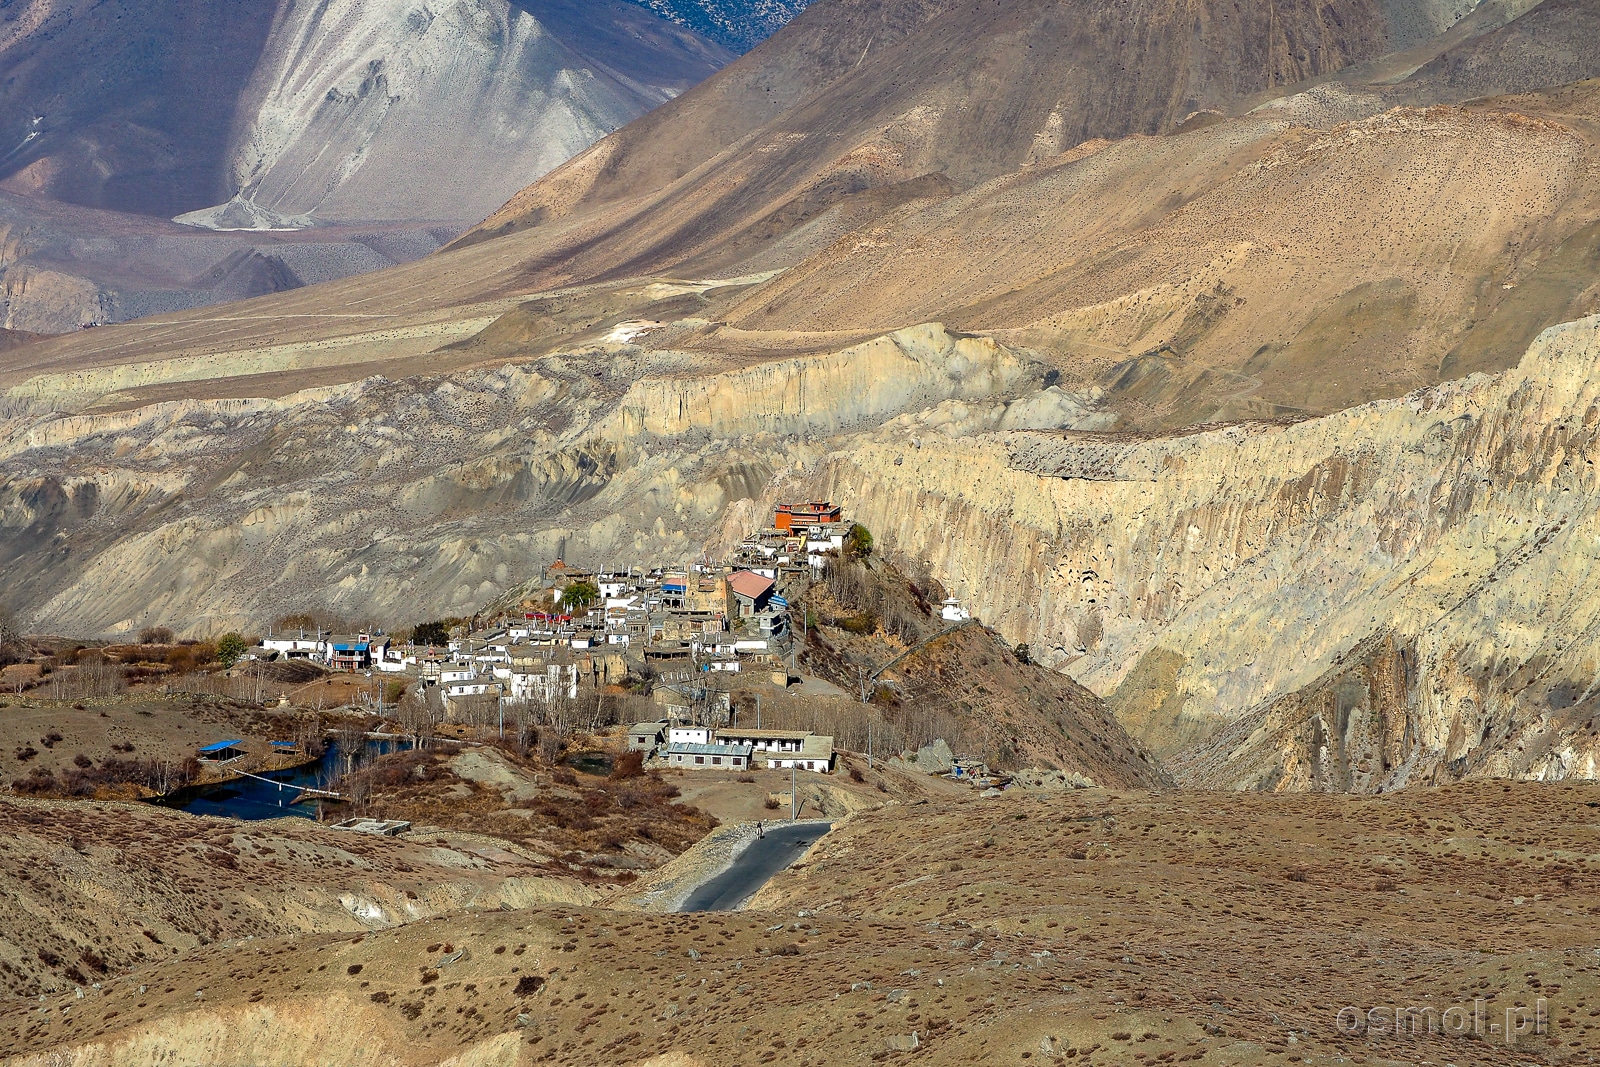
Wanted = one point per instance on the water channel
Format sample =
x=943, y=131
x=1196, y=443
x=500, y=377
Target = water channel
x=251, y=799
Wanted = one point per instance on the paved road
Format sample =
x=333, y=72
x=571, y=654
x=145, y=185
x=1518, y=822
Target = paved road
x=784, y=843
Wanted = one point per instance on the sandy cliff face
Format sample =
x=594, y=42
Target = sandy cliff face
x=1203, y=580
x=432, y=494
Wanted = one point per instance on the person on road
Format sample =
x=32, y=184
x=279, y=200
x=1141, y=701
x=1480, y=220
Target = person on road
x=761, y=829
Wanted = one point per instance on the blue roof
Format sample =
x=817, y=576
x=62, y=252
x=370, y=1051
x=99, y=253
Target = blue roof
x=220, y=745
x=283, y=744
x=689, y=749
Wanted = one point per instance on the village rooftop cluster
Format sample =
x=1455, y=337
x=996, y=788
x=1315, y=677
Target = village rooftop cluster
x=680, y=626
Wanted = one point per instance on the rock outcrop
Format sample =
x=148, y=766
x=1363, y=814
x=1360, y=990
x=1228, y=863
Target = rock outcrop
x=1427, y=562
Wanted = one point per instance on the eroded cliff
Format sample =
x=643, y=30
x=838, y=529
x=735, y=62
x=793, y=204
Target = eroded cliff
x=1217, y=580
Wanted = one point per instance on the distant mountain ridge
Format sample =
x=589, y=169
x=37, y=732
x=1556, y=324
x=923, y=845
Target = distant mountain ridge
x=286, y=116
x=736, y=24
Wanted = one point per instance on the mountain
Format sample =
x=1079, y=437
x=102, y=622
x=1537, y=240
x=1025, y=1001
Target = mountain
x=347, y=110
x=372, y=112
x=739, y=25
x=1227, y=383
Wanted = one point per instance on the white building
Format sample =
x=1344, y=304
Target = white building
x=689, y=735
x=708, y=757
x=293, y=647
x=954, y=612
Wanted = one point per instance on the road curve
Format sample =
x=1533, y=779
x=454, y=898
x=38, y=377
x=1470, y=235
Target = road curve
x=755, y=866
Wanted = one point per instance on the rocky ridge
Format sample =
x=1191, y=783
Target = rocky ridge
x=1200, y=581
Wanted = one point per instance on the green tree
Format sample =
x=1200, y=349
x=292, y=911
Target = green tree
x=229, y=648
x=579, y=595
x=858, y=542
x=430, y=633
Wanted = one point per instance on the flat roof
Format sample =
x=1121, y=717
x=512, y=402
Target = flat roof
x=709, y=750
x=220, y=745
x=776, y=735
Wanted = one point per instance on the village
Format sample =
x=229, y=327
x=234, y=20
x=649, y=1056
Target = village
x=690, y=633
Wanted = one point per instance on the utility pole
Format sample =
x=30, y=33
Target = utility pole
x=794, y=796
x=869, y=744
x=758, y=711
x=501, y=700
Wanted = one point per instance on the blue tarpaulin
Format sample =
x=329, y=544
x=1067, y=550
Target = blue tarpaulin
x=220, y=745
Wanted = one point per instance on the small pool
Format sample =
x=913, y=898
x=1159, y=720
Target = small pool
x=598, y=764
x=251, y=799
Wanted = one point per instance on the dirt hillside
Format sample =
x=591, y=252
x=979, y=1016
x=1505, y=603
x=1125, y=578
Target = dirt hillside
x=1101, y=928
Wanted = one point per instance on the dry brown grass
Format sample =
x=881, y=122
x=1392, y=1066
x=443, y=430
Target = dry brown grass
x=586, y=823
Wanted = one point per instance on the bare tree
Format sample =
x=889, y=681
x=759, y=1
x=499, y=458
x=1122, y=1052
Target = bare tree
x=351, y=738
x=12, y=646
x=418, y=716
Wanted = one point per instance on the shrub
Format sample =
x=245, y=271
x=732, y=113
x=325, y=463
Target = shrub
x=856, y=775
x=579, y=595
x=864, y=623
x=155, y=635
x=858, y=542
x=430, y=633
x=771, y=804
x=230, y=647
x=628, y=765
x=528, y=985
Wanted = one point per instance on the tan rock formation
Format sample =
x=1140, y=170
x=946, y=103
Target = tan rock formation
x=1193, y=578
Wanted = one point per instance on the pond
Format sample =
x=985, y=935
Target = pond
x=251, y=799
x=598, y=764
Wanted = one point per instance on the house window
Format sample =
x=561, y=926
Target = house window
x=717, y=760
x=699, y=759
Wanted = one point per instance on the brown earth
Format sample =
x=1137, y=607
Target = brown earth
x=1025, y=715
x=92, y=890
x=1094, y=927
x=596, y=826
x=870, y=630
x=140, y=725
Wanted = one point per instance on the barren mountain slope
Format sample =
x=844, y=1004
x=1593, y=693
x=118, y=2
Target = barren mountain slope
x=1192, y=578
x=282, y=115
x=972, y=92
x=1030, y=716
x=92, y=890
x=542, y=79
x=63, y=266
x=960, y=683
x=1094, y=927
x=1256, y=267
x=1095, y=211
x=1554, y=43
